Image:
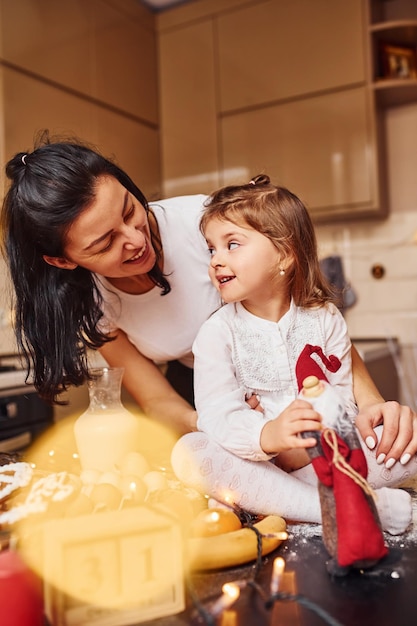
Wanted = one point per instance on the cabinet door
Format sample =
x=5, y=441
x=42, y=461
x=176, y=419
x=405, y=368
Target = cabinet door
x=51, y=39
x=94, y=48
x=188, y=109
x=275, y=50
x=322, y=148
x=125, y=70
x=30, y=106
x=135, y=148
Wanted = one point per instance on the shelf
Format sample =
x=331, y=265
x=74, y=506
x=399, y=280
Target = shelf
x=395, y=92
x=399, y=32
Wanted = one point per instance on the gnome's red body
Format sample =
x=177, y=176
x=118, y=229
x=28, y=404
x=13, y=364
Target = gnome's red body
x=351, y=528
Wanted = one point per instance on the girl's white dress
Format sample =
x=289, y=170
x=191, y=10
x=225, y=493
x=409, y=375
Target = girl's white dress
x=237, y=353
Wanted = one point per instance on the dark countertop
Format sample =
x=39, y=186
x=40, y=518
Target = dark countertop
x=383, y=596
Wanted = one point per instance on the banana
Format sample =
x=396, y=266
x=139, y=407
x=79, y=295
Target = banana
x=236, y=547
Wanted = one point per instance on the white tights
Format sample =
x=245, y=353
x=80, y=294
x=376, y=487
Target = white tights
x=261, y=487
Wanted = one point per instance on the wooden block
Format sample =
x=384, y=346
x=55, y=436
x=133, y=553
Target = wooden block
x=113, y=569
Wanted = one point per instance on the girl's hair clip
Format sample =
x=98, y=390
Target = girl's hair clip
x=252, y=182
x=24, y=159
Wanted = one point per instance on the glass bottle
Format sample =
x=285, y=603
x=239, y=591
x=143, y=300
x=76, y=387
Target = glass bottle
x=106, y=431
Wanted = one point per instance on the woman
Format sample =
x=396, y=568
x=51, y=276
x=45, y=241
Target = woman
x=94, y=266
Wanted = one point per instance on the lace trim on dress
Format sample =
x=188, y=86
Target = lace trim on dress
x=256, y=353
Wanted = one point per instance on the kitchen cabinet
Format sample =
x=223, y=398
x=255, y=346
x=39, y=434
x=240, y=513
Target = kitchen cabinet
x=85, y=69
x=316, y=146
x=188, y=113
x=269, y=52
x=392, y=39
x=103, y=50
x=393, y=29
x=285, y=91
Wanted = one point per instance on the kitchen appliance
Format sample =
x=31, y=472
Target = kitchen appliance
x=380, y=356
x=23, y=415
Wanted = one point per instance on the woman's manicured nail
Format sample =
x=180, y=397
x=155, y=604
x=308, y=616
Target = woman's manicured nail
x=390, y=463
x=370, y=442
x=381, y=458
x=405, y=458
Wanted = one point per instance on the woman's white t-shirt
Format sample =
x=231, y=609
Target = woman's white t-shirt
x=163, y=328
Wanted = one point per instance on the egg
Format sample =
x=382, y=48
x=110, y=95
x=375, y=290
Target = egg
x=90, y=476
x=106, y=496
x=110, y=478
x=82, y=505
x=155, y=481
x=133, y=488
x=214, y=521
x=134, y=463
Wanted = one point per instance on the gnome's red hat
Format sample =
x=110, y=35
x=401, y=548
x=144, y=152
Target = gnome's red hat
x=306, y=366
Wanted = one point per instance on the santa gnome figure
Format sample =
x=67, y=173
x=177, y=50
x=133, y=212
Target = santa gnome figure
x=352, y=531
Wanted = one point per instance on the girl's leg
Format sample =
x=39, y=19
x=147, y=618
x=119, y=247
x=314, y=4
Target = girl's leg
x=256, y=487
x=393, y=505
x=261, y=487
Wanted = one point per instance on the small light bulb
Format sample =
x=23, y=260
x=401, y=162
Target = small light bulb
x=277, y=573
x=231, y=592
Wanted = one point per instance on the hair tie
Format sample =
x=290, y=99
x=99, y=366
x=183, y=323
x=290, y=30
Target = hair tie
x=24, y=159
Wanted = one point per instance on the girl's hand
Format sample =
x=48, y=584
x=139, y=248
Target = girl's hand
x=399, y=433
x=282, y=433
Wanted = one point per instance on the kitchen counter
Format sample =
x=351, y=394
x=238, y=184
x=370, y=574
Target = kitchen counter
x=381, y=597
x=374, y=349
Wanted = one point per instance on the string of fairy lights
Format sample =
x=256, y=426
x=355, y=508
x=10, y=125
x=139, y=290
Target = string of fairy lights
x=207, y=614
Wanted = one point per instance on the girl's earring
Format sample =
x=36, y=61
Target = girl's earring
x=281, y=272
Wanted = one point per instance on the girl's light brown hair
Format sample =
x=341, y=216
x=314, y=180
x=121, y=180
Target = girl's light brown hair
x=281, y=216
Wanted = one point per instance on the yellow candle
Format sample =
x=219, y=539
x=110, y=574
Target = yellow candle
x=277, y=573
x=230, y=594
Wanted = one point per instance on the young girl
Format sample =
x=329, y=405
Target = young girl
x=264, y=263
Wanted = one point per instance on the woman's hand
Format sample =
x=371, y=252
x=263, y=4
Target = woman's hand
x=399, y=433
x=399, y=422
x=282, y=433
x=254, y=401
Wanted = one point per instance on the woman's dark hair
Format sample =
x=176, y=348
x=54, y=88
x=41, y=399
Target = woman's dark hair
x=56, y=310
x=280, y=215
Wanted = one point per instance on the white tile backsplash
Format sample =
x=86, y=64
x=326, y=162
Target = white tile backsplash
x=387, y=305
